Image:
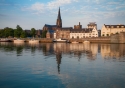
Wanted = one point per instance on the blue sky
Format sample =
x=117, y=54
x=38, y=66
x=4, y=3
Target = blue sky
x=36, y=13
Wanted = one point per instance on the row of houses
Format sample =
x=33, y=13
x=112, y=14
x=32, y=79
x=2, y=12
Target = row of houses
x=76, y=32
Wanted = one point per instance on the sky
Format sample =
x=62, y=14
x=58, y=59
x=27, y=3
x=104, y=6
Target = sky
x=36, y=13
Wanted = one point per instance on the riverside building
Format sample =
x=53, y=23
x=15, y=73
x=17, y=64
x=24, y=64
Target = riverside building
x=108, y=30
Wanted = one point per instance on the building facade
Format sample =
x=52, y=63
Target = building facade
x=108, y=30
x=84, y=33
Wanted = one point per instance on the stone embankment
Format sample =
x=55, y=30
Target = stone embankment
x=92, y=40
x=115, y=38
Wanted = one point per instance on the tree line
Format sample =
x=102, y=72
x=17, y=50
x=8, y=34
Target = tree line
x=20, y=33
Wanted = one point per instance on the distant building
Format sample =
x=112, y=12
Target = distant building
x=48, y=34
x=37, y=34
x=99, y=33
x=54, y=27
x=108, y=30
x=83, y=33
x=63, y=33
x=78, y=26
x=92, y=25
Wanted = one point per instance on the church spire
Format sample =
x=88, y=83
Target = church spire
x=59, y=20
x=59, y=15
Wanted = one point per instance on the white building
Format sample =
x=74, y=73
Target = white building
x=83, y=33
x=107, y=30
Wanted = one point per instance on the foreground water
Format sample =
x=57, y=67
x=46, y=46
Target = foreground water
x=62, y=65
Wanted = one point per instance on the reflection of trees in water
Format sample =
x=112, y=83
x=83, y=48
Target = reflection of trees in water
x=7, y=47
x=19, y=50
x=33, y=48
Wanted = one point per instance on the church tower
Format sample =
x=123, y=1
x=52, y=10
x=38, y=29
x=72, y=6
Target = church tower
x=59, y=20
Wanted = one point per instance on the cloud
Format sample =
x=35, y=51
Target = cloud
x=41, y=7
x=37, y=7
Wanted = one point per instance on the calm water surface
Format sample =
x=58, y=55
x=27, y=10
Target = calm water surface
x=62, y=65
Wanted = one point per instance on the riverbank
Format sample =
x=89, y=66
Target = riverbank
x=115, y=38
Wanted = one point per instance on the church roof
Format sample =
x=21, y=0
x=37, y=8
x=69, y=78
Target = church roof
x=66, y=28
x=47, y=25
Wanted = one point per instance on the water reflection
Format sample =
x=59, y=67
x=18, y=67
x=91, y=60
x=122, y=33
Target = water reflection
x=113, y=51
x=90, y=51
x=58, y=59
x=74, y=65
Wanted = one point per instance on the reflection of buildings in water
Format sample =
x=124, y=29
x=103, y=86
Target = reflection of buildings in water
x=99, y=48
x=76, y=47
x=78, y=54
x=105, y=50
x=113, y=51
x=87, y=46
x=47, y=48
x=33, y=44
x=79, y=48
x=62, y=47
x=58, y=59
x=19, y=44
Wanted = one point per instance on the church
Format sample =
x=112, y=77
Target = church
x=57, y=31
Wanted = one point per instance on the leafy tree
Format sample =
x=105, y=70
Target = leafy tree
x=44, y=34
x=33, y=32
x=1, y=33
x=23, y=34
x=18, y=31
x=8, y=32
x=116, y=32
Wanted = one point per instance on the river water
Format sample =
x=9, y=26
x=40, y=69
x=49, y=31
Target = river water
x=62, y=65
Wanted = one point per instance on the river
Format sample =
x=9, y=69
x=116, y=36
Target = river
x=62, y=65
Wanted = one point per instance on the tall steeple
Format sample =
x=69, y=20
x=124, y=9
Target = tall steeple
x=59, y=20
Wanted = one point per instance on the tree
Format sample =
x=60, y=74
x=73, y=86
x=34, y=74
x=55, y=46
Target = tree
x=116, y=32
x=33, y=32
x=1, y=33
x=23, y=34
x=18, y=31
x=8, y=32
x=44, y=33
